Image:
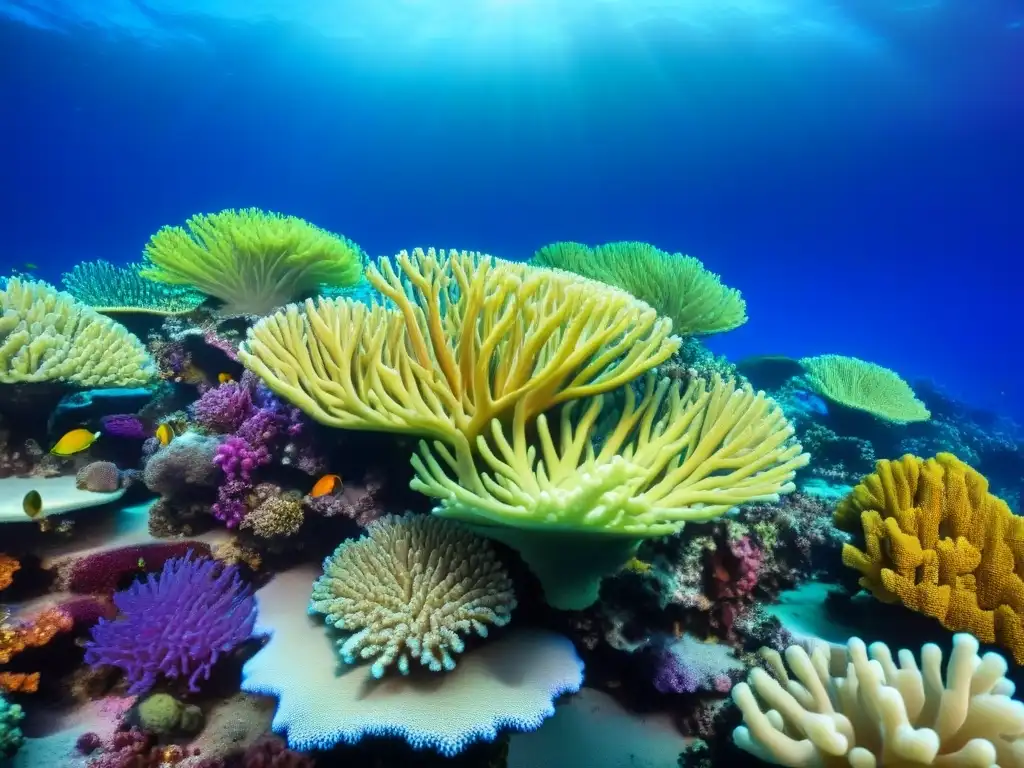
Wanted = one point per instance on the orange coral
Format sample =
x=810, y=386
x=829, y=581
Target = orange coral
x=8, y=565
x=937, y=541
x=16, y=637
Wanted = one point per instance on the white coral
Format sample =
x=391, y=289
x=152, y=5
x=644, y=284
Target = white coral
x=881, y=713
x=409, y=589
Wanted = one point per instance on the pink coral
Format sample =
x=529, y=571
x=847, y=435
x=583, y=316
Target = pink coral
x=735, y=568
x=101, y=573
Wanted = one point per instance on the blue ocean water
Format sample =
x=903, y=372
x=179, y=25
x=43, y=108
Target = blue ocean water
x=855, y=168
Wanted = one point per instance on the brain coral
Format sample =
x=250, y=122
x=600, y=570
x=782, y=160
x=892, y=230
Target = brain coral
x=409, y=588
x=45, y=335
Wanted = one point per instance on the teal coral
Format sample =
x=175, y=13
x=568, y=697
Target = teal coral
x=11, y=737
x=111, y=289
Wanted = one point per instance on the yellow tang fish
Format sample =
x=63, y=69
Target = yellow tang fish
x=75, y=441
x=32, y=504
x=224, y=378
x=165, y=433
x=325, y=485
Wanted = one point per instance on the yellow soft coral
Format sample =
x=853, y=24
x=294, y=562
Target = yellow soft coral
x=469, y=339
x=678, y=287
x=251, y=260
x=937, y=541
x=864, y=386
x=576, y=510
x=47, y=336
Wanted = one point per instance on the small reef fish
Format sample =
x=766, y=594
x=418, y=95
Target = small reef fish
x=75, y=441
x=325, y=485
x=165, y=433
x=28, y=266
x=224, y=378
x=635, y=565
x=32, y=504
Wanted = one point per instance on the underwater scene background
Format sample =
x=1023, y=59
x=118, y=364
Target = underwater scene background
x=716, y=414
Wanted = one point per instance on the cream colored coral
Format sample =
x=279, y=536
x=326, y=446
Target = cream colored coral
x=466, y=339
x=45, y=336
x=273, y=513
x=409, y=589
x=862, y=709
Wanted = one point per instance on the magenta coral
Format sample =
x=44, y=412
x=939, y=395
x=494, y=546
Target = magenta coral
x=124, y=425
x=175, y=624
x=100, y=573
x=735, y=571
x=223, y=409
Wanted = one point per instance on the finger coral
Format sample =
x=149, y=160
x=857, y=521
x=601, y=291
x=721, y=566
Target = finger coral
x=470, y=338
x=937, y=541
x=253, y=261
x=175, y=624
x=678, y=287
x=409, y=589
x=864, y=386
x=860, y=708
x=110, y=289
x=46, y=336
x=576, y=510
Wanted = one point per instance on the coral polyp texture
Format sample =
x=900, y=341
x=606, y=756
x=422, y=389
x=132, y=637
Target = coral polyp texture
x=469, y=339
x=176, y=624
x=122, y=290
x=861, y=708
x=864, y=386
x=409, y=590
x=937, y=541
x=48, y=336
x=576, y=509
x=251, y=260
x=677, y=286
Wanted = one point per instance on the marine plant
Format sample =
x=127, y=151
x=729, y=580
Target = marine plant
x=864, y=386
x=678, y=287
x=251, y=260
x=110, y=289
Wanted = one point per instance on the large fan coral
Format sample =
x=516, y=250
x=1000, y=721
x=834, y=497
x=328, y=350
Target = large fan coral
x=46, y=336
x=472, y=338
x=409, y=589
x=112, y=290
x=175, y=624
x=251, y=260
x=864, y=386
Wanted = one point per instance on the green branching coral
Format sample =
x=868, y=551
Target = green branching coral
x=253, y=261
x=678, y=287
x=409, y=589
x=865, y=386
x=47, y=336
x=111, y=289
x=11, y=737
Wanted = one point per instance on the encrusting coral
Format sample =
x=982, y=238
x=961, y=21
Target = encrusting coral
x=864, y=386
x=409, y=589
x=16, y=636
x=678, y=287
x=253, y=261
x=937, y=541
x=47, y=336
x=576, y=511
x=273, y=513
x=110, y=289
x=471, y=338
x=862, y=709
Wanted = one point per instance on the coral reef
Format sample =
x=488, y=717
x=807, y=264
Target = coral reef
x=864, y=386
x=115, y=290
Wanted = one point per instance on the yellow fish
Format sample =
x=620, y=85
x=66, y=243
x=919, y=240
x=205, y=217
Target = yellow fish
x=32, y=504
x=224, y=378
x=165, y=433
x=75, y=441
x=325, y=485
x=637, y=566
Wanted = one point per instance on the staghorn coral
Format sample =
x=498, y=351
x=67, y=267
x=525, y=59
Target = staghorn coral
x=860, y=708
x=409, y=589
x=864, y=386
x=115, y=290
x=937, y=541
x=273, y=513
x=253, y=261
x=471, y=339
x=577, y=512
x=47, y=336
x=678, y=287
x=98, y=477
x=176, y=624
x=36, y=632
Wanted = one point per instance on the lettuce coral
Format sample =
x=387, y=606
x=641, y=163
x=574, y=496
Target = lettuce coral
x=253, y=261
x=864, y=386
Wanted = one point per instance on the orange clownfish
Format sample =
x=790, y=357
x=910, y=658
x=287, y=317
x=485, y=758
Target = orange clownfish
x=75, y=441
x=325, y=485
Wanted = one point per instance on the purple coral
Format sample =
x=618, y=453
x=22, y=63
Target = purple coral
x=174, y=624
x=124, y=425
x=690, y=666
x=223, y=409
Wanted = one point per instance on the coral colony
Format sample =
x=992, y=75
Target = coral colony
x=322, y=509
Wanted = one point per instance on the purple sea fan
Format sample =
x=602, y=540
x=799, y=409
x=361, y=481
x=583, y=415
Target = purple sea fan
x=175, y=624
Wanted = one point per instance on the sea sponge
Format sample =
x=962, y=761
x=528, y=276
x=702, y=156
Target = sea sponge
x=251, y=260
x=678, y=287
x=577, y=507
x=470, y=339
x=122, y=290
x=408, y=589
x=864, y=386
x=45, y=336
x=861, y=709
x=98, y=477
x=937, y=541
x=185, y=461
x=161, y=713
